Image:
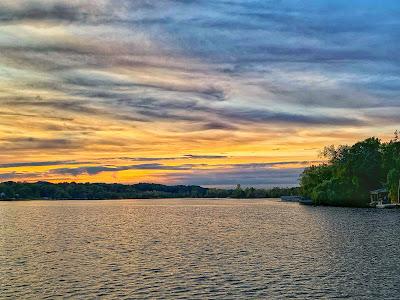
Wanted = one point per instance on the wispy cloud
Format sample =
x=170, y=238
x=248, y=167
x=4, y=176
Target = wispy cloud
x=183, y=157
x=145, y=79
x=99, y=169
x=42, y=163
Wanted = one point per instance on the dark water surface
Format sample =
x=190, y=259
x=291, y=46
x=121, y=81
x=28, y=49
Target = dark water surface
x=197, y=249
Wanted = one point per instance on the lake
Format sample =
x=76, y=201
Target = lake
x=197, y=249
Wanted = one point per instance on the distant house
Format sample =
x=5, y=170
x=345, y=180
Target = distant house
x=380, y=196
x=291, y=198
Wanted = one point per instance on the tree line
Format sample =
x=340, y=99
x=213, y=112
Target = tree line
x=351, y=172
x=45, y=190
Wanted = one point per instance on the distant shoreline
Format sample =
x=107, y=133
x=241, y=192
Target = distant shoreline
x=20, y=191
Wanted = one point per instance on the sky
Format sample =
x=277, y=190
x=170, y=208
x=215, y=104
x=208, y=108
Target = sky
x=207, y=92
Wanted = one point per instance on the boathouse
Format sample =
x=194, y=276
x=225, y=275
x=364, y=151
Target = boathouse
x=379, y=196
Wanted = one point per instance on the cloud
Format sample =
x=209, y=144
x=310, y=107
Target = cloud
x=37, y=143
x=186, y=156
x=99, y=169
x=273, y=164
x=58, y=11
x=267, y=116
x=243, y=51
x=218, y=126
x=55, y=12
x=151, y=78
x=42, y=163
x=194, y=156
x=18, y=175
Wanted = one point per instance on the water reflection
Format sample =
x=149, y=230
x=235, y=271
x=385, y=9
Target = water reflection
x=196, y=249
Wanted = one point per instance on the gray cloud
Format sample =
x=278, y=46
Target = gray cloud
x=272, y=164
x=18, y=175
x=194, y=156
x=19, y=143
x=218, y=126
x=186, y=156
x=266, y=116
x=99, y=169
x=244, y=51
x=193, y=111
x=42, y=163
x=57, y=12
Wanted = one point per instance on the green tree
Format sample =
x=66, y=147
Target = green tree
x=348, y=176
x=393, y=181
x=238, y=192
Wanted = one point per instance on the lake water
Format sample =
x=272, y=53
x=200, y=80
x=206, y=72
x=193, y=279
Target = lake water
x=197, y=249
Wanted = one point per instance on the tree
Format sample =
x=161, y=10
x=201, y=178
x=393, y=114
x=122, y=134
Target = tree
x=348, y=176
x=238, y=192
x=393, y=181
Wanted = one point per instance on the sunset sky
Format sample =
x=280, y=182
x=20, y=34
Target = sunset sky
x=208, y=92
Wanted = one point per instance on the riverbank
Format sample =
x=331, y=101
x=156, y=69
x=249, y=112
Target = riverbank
x=98, y=191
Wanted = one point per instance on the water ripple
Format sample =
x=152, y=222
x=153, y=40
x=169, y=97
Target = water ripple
x=196, y=249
